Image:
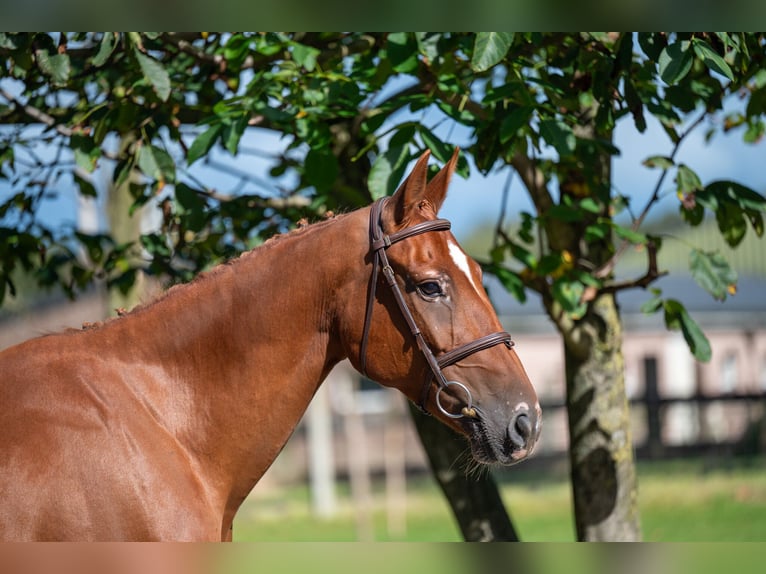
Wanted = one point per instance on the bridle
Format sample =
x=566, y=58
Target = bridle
x=379, y=242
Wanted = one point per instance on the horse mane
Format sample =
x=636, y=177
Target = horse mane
x=304, y=228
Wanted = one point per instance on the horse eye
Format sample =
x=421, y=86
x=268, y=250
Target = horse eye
x=430, y=289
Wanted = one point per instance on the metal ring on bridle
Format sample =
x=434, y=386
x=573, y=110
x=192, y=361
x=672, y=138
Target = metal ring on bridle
x=469, y=402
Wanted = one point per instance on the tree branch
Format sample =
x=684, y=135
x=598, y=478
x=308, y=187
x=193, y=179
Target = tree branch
x=503, y=208
x=37, y=114
x=651, y=275
x=606, y=269
x=185, y=45
x=44, y=118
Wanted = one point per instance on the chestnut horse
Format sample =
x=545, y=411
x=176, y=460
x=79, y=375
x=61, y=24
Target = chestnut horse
x=156, y=425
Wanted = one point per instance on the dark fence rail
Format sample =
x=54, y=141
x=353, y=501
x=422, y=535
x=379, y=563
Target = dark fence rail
x=751, y=438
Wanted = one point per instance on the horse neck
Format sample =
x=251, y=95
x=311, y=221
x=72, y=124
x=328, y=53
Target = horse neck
x=248, y=344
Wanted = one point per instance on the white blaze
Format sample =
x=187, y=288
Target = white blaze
x=461, y=260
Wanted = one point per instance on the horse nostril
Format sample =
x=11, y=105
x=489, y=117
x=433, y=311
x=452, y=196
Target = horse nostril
x=520, y=430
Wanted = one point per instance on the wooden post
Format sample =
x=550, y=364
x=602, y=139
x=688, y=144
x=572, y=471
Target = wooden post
x=359, y=469
x=320, y=454
x=396, y=466
x=652, y=397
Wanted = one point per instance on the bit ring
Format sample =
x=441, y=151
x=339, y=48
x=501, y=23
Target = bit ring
x=445, y=412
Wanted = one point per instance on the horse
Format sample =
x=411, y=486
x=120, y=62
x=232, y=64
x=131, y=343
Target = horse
x=156, y=425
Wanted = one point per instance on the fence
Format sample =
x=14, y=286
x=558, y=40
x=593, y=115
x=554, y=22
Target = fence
x=666, y=427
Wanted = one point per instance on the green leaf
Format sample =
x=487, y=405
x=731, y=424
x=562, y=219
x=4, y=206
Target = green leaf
x=8, y=42
x=441, y=150
x=156, y=245
x=745, y=197
x=687, y=181
x=428, y=44
x=756, y=220
x=629, y=235
x=756, y=128
x=569, y=295
x=321, y=168
x=756, y=105
x=387, y=170
x=590, y=205
x=86, y=152
x=693, y=215
x=123, y=169
x=305, y=56
x=676, y=317
x=651, y=43
x=56, y=67
x=711, y=59
x=490, y=48
x=635, y=105
x=203, y=143
x=549, y=263
x=404, y=134
x=675, y=62
x=523, y=254
x=123, y=282
x=156, y=164
x=232, y=134
x=510, y=280
x=559, y=135
x=147, y=163
x=192, y=207
x=95, y=244
x=188, y=198
x=731, y=222
x=108, y=44
x=236, y=49
x=86, y=187
x=513, y=122
x=134, y=38
x=402, y=51
x=585, y=277
x=565, y=212
x=659, y=161
x=597, y=232
x=713, y=273
x=652, y=305
x=155, y=73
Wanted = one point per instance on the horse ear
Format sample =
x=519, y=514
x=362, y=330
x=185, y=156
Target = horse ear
x=436, y=190
x=412, y=190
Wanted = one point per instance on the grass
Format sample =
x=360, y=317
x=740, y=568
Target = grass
x=679, y=501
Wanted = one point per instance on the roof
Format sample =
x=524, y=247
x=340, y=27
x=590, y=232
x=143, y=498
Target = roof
x=745, y=310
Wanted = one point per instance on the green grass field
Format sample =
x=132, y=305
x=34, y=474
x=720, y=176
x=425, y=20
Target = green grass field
x=683, y=501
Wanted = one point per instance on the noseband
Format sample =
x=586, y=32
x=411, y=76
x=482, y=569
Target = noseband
x=379, y=242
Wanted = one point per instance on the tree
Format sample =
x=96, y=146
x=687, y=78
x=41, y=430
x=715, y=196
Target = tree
x=354, y=109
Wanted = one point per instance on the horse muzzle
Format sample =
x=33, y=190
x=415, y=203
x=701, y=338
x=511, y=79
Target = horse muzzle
x=506, y=443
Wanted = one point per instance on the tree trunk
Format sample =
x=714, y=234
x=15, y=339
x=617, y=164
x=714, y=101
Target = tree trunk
x=475, y=500
x=603, y=473
x=125, y=228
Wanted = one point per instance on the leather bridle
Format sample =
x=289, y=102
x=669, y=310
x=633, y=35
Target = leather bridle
x=379, y=242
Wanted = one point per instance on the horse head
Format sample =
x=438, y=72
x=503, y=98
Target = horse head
x=431, y=331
